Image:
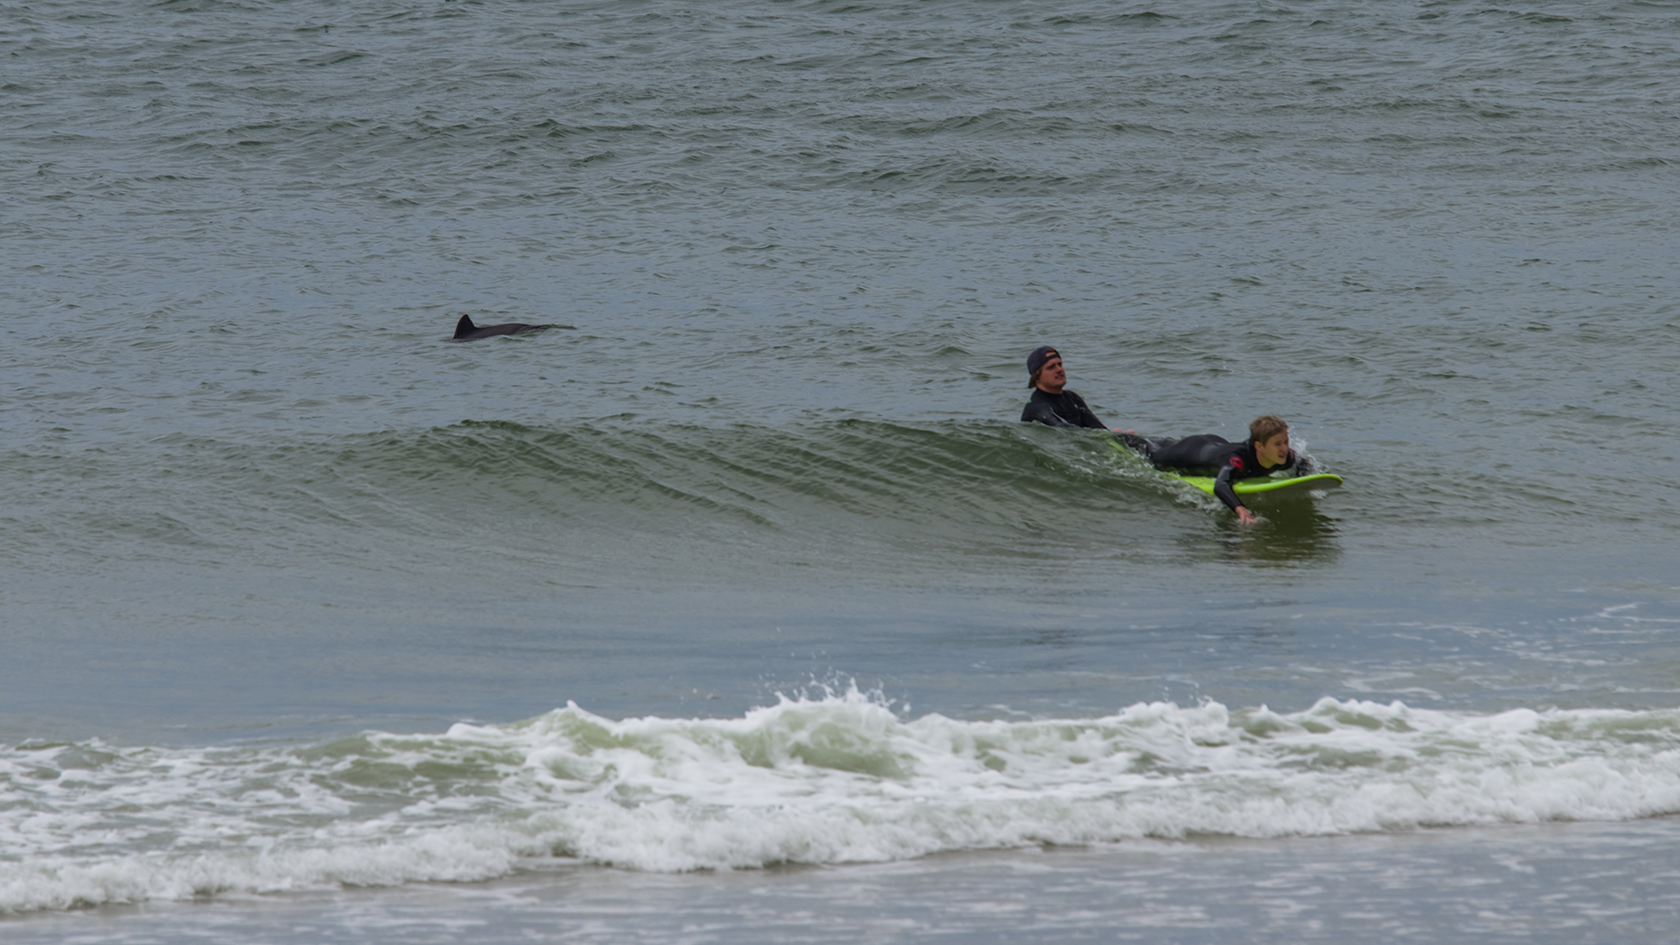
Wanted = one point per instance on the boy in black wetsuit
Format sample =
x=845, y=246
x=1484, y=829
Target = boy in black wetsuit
x=1264, y=452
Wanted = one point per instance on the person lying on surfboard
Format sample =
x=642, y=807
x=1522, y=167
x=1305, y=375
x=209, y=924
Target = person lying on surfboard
x=1266, y=451
x=1052, y=403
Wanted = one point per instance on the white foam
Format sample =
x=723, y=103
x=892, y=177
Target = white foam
x=832, y=780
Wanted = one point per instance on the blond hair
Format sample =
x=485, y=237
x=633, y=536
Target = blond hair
x=1265, y=427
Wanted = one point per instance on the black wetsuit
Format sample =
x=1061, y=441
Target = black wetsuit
x=1066, y=409
x=1199, y=455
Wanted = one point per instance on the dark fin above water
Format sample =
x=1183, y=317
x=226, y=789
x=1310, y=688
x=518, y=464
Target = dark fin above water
x=465, y=330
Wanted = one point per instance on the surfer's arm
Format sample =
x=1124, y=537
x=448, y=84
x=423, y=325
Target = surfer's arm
x=1222, y=489
x=1304, y=465
x=1086, y=418
x=1036, y=412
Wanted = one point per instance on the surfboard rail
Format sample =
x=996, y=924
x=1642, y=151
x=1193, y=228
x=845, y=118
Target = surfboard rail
x=1260, y=486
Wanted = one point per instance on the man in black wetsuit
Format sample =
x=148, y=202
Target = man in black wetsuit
x=1264, y=452
x=1051, y=402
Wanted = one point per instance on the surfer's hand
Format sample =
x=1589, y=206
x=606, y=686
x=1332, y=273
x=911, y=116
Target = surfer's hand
x=1245, y=516
x=1118, y=430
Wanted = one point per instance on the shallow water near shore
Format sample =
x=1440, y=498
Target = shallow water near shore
x=738, y=606
x=1403, y=887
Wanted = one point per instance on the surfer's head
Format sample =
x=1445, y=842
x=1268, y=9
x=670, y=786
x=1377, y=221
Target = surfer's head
x=1270, y=437
x=1044, y=367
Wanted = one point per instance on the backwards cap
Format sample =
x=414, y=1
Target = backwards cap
x=1039, y=356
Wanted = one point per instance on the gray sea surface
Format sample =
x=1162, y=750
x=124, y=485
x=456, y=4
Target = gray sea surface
x=738, y=606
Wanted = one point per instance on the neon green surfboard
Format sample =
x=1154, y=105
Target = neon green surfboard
x=1298, y=485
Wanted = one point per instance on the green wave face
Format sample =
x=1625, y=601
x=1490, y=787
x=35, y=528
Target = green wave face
x=855, y=496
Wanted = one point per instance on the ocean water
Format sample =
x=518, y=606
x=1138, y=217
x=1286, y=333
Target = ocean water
x=738, y=606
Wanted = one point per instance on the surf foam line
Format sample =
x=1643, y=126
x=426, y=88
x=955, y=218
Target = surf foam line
x=838, y=779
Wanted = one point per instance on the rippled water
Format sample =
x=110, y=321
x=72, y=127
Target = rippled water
x=271, y=536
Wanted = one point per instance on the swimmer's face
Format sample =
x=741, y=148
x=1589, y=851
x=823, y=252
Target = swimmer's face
x=1274, y=450
x=1051, y=377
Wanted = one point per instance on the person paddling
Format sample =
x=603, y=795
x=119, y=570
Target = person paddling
x=1266, y=451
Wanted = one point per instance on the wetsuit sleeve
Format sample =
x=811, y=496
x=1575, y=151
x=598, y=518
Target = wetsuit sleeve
x=1038, y=411
x=1222, y=486
x=1304, y=465
x=1085, y=417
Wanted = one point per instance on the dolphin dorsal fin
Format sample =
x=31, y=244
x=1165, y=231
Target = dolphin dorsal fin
x=465, y=326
